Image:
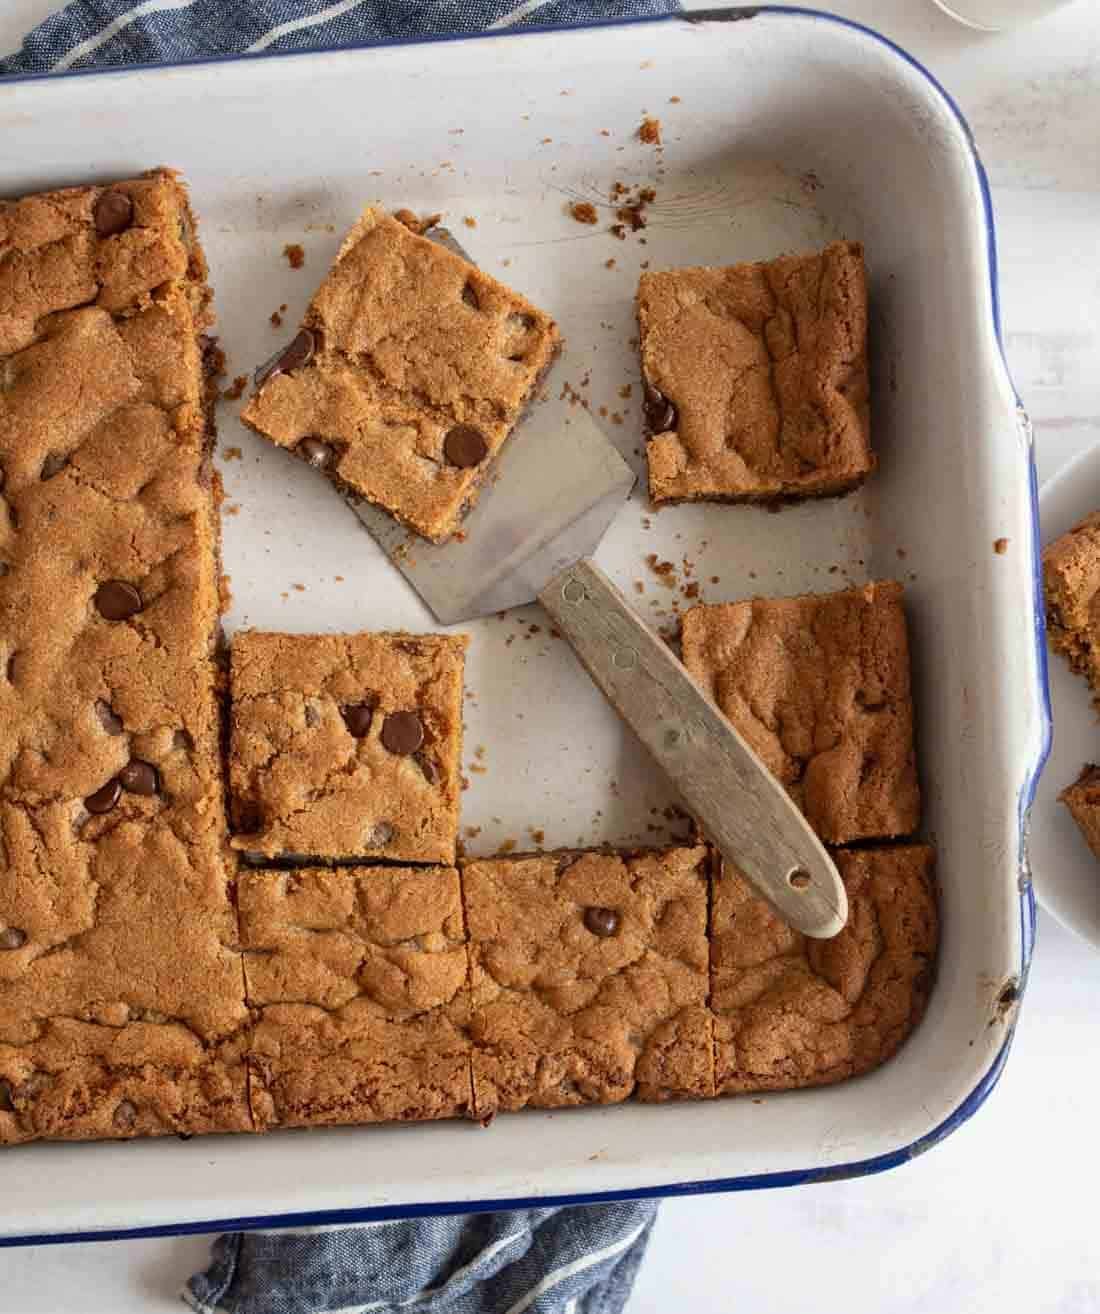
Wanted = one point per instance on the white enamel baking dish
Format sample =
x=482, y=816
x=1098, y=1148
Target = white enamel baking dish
x=789, y=127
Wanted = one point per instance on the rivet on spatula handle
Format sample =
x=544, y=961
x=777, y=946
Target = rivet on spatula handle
x=744, y=810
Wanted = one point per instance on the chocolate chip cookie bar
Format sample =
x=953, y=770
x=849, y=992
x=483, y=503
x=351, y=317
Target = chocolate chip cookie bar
x=756, y=378
x=1071, y=585
x=409, y=372
x=1082, y=798
x=793, y=1012
x=588, y=976
x=358, y=978
x=346, y=746
x=122, y=1006
x=819, y=686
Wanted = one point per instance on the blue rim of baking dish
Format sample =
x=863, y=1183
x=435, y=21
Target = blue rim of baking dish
x=759, y=1181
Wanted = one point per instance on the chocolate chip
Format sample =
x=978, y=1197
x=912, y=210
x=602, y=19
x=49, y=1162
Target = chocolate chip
x=53, y=464
x=114, y=212
x=298, y=352
x=465, y=446
x=426, y=765
x=249, y=816
x=601, y=921
x=380, y=836
x=104, y=799
x=315, y=452
x=660, y=414
x=11, y=937
x=138, y=777
x=402, y=733
x=7, y=1104
x=182, y=741
x=116, y=600
x=108, y=719
x=125, y=1114
x=358, y=719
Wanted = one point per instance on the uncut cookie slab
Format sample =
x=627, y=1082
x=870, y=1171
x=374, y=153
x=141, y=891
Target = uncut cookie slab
x=588, y=976
x=819, y=686
x=756, y=378
x=358, y=982
x=346, y=746
x=1071, y=585
x=121, y=995
x=409, y=372
x=793, y=1012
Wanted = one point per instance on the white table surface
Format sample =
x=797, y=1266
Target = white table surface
x=1002, y=1216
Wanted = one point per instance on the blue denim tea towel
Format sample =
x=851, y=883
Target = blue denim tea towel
x=97, y=32
x=576, y=1260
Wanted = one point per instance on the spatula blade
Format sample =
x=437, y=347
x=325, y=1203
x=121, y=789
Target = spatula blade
x=556, y=486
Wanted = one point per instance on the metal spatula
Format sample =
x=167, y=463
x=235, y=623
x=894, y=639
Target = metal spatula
x=558, y=485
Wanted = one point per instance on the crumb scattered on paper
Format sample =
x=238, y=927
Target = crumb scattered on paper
x=236, y=389
x=584, y=212
x=231, y=453
x=295, y=255
x=1000, y=546
x=650, y=132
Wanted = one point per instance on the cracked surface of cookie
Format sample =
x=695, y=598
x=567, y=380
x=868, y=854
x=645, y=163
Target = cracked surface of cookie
x=410, y=370
x=819, y=686
x=346, y=746
x=588, y=975
x=756, y=378
x=121, y=994
x=358, y=978
x=793, y=1012
x=1071, y=588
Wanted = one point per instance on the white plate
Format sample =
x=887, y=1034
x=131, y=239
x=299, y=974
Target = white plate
x=780, y=131
x=1065, y=870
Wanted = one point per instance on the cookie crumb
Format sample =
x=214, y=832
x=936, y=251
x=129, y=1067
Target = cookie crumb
x=506, y=846
x=584, y=212
x=650, y=132
x=609, y=264
x=674, y=100
x=276, y=319
x=1000, y=546
x=295, y=255
x=469, y=221
x=236, y=390
x=619, y=231
x=298, y=588
x=231, y=453
x=233, y=509
x=416, y=223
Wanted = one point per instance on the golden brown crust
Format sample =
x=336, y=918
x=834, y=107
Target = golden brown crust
x=358, y=979
x=1082, y=798
x=1071, y=585
x=118, y=982
x=819, y=686
x=564, y=1016
x=765, y=366
x=791, y=1012
x=304, y=784
x=413, y=341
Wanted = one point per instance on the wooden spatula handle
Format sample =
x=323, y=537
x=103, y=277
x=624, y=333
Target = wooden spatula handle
x=744, y=810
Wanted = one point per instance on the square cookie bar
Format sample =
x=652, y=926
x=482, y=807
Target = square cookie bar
x=409, y=372
x=346, y=746
x=791, y=1011
x=756, y=378
x=358, y=981
x=1071, y=588
x=588, y=976
x=1083, y=800
x=819, y=686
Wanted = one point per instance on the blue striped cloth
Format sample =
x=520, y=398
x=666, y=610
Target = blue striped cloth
x=97, y=32
x=572, y=1260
